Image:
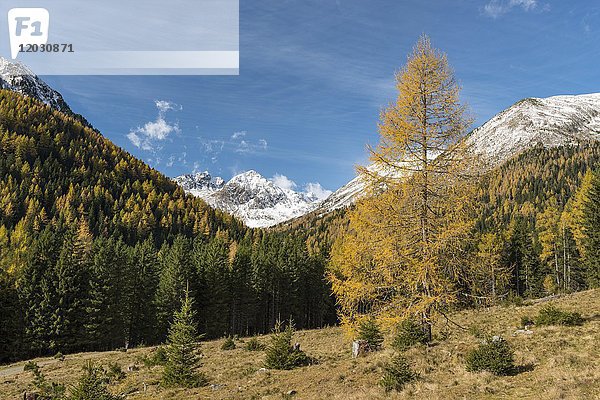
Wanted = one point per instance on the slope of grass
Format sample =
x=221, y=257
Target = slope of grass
x=555, y=362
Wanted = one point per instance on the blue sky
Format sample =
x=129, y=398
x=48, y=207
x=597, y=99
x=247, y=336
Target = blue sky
x=314, y=75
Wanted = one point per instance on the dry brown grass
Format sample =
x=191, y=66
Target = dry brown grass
x=558, y=363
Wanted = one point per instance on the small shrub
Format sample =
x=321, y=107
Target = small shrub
x=494, y=355
x=526, y=320
x=157, y=357
x=30, y=366
x=114, y=372
x=44, y=390
x=408, y=334
x=477, y=331
x=59, y=356
x=92, y=385
x=228, y=344
x=513, y=300
x=254, y=345
x=551, y=315
x=281, y=354
x=396, y=374
x=369, y=331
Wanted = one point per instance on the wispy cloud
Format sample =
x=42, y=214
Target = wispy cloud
x=311, y=189
x=241, y=144
x=237, y=135
x=196, y=167
x=283, y=182
x=317, y=191
x=147, y=136
x=171, y=161
x=497, y=8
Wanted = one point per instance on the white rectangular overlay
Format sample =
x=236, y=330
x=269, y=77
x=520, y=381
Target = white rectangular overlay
x=116, y=37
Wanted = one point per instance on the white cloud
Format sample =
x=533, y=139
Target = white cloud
x=171, y=161
x=164, y=106
x=196, y=167
x=283, y=182
x=237, y=135
x=135, y=139
x=497, y=8
x=146, y=136
x=317, y=191
x=243, y=147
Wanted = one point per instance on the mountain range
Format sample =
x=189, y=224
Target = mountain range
x=550, y=122
x=260, y=202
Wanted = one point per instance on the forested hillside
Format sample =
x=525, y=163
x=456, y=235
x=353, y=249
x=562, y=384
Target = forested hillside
x=96, y=247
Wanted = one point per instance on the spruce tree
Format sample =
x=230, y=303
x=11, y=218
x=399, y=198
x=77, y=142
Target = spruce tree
x=591, y=223
x=176, y=269
x=37, y=292
x=369, y=331
x=280, y=353
x=91, y=385
x=72, y=275
x=142, y=286
x=105, y=325
x=181, y=368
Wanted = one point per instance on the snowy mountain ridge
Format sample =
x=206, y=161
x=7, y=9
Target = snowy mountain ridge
x=18, y=78
x=259, y=202
x=552, y=121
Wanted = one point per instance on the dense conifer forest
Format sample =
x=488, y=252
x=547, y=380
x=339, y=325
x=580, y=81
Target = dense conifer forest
x=96, y=248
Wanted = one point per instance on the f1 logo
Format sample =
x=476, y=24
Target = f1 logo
x=27, y=26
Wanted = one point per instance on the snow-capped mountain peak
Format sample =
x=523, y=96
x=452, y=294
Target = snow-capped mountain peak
x=18, y=78
x=258, y=201
x=200, y=182
x=552, y=121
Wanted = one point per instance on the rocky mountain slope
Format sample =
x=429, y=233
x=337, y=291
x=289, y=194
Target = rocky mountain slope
x=18, y=78
x=259, y=202
x=551, y=122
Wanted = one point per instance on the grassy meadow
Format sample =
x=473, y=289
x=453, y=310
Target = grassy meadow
x=554, y=362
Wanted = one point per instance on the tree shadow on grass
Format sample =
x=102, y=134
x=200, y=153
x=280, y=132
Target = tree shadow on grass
x=595, y=317
x=519, y=369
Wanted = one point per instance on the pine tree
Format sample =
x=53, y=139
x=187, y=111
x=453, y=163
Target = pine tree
x=91, y=385
x=142, y=286
x=37, y=292
x=522, y=260
x=176, y=270
x=591, y=224
x=107, y=295
x=407, y=244
x=182, y=349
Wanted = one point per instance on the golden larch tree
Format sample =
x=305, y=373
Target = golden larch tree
x=405, y=249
